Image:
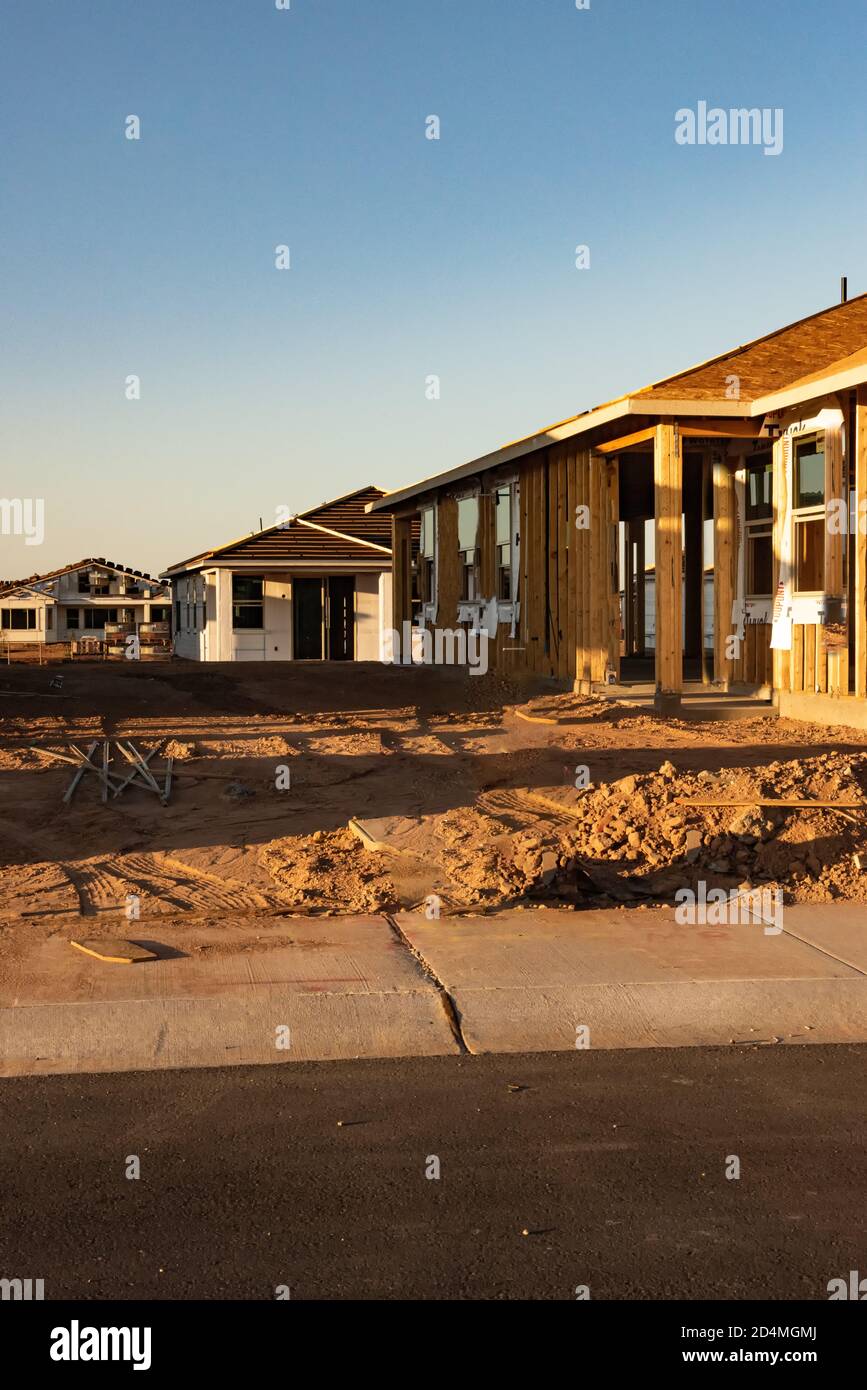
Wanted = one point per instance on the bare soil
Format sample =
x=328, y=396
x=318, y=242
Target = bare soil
x=480, y=807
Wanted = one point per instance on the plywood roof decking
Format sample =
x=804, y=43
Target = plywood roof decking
x=299, y=542
x=347, y=514
x=809, y=350
x=340, y=530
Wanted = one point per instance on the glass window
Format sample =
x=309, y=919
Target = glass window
x=247, y=588
x=468, y=535
x=760, y=564
x=810, y=473
x=503, y=532
x=72, y=619
x=759, y=488
x=247, y=602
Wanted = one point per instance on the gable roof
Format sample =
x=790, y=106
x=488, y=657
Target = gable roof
x=34, y=580
x=339, y=530
x=810, y=351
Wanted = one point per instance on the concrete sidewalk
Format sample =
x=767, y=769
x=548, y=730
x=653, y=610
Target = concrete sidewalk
x=526, y=981
x=364, y=987
x=343, y=987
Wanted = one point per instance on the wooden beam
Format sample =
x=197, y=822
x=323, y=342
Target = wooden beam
x=626, y=441
x=724, y=429
x=668, y=495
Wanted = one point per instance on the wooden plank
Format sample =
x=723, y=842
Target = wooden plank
x=401, y=570
x=797, y=657
x=859, y=542
x=810, y=631
x=626, y=441
x=668, y=503
x=448, y=568
x=70, y=790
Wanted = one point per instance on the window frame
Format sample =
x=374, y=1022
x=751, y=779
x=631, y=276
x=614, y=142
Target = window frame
x=807, y=515
x=248, y=605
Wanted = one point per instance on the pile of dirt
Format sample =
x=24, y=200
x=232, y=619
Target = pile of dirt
x=645, y=828
x=329, y=871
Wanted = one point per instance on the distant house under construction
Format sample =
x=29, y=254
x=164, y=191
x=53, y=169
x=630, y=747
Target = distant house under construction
x=92, y=604
x=315, y=587
x=748, y=472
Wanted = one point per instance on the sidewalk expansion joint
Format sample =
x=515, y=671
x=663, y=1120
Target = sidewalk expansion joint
x=449, y=1007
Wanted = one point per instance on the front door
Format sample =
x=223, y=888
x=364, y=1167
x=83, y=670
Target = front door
x=341, y=617
x=307, y=605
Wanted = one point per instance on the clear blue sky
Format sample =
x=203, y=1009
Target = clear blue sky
x=410, y=257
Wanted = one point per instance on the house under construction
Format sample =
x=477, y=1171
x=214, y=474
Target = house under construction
x=739, y=487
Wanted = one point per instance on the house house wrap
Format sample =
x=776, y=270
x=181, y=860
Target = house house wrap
x=748, y=471
x=315, y=587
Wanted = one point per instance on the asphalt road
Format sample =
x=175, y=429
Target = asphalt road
x=613, y=1162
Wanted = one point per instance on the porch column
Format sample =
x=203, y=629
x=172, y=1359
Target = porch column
x=668, y=561
x=724, y=525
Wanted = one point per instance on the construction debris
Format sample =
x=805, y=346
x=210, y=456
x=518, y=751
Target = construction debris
x=115, y=951
x=140, y=769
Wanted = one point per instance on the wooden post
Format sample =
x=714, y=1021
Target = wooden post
x=724, y=517
x=401, y=570
x=859, y=617
x=668, y=498
x=782, y=661
x=834, y=490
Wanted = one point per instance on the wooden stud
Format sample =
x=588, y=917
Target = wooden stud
x=668, y=496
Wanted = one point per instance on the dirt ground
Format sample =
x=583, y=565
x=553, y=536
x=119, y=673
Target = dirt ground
x=477, y=805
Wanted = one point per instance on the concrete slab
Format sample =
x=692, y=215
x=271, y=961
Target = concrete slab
x=840, y=929
x=525, y=981
x=343, y=987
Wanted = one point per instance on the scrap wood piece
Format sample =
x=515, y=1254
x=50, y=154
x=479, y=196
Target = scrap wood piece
x=136, y=770
x=84, y=764
x=133, y=756
x=169, y=764
x=106, y=759
x=793, y=803
x=115, y=951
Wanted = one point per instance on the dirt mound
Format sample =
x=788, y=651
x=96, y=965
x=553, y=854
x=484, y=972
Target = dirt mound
x=647, y=827
x=329, y=871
